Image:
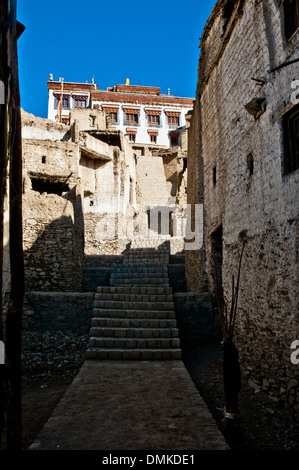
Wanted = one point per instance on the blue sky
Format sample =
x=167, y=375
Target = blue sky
x=152, y=43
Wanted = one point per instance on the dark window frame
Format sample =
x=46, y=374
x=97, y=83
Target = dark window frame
x=174, y=140
x=291, y=17
x=65, y=102
x=214, y=175
x=80, y=103
x=291, y=140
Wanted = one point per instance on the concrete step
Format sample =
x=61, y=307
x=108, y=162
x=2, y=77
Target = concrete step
x=133, y=354
x=139, y=282
x=145, y=261
x=133, y=343
x=142, y=269
x=118, y=305
x=152, y=264
x=146, y=255
x=155, y=290
x=128, y=297
x=108, y=322
x=117, y=332
x=144, y=275
x=134, y=314
x=139, y=276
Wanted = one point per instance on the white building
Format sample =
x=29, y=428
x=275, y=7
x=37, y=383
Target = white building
x=143, y=114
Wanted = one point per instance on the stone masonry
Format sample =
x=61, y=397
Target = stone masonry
x=237, y=168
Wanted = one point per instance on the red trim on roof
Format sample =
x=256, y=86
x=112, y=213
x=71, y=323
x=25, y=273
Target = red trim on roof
x=141, y=99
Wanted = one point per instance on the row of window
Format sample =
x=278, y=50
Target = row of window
x=66, y=102
x=174, y=139
x=129, y=118
x=152, y=120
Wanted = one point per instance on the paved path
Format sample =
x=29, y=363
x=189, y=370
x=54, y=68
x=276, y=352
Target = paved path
x=131, y=405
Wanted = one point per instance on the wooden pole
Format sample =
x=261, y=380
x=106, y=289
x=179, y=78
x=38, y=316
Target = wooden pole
x=3, y=176
x=16, y=297
x=3, y=137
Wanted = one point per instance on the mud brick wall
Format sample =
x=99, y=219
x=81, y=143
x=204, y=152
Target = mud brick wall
x=246, y=194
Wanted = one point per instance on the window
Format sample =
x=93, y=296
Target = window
x=65, y=120
x=215, y=175
x=153, y=134
x=131, y=118
x=111, y=113
x=112, y=117
x=291, y=15
x=291, y=140
x=174, y=139
x=131, y=133
x=92, y=120
x=217, y=255
x=173, y=120
x=45, y=185
x=65, y=101
x=153, y=120
x=250, y=164
x=79, y=103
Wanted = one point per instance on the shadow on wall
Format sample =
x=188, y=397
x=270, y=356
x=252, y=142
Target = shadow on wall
x=54, y=262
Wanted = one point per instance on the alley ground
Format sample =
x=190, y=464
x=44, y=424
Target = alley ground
x=49, y=370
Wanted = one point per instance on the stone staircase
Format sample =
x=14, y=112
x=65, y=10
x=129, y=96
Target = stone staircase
x=134, y=318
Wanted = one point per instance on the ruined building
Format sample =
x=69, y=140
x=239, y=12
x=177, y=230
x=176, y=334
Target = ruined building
x=88, y=189
x=243, y=166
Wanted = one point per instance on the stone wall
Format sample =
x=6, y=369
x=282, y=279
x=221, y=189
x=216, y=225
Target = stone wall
x=151, y=181
x=196, y=275
x=197, y=316
x=52, y=244
x=49, y=311
x=246, y=195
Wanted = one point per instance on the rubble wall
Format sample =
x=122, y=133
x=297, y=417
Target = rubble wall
x=51, y=252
